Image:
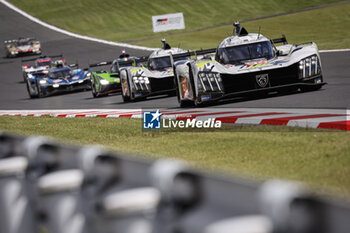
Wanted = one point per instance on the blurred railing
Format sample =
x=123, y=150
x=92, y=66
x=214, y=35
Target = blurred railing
x=49, y=187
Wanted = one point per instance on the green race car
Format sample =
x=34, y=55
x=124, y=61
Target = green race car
x=103, y=82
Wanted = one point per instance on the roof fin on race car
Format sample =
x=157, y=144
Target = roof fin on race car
x=239, y=30
x=165, y=45
x=259, y=33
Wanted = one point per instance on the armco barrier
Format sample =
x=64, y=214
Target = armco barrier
x=49, y=187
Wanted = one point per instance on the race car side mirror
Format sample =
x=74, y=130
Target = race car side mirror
x=73, y=65
x=282, y=53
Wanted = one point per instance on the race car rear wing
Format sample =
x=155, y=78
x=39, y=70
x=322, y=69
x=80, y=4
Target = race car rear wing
x=16, y=40
x=190, y=54
x=131, y=62
x=194, y=53
x=33, y=59
x=283, y=40
x=74, y=65
x=102, y=63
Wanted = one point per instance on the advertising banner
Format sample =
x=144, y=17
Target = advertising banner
x=168, y=22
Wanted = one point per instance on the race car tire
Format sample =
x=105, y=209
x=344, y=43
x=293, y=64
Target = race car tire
x=183, y=103
x=124, y=96
x=29, y=93
x=24, y=76
x=41, y=93
x=9, y=55
x=93, y=90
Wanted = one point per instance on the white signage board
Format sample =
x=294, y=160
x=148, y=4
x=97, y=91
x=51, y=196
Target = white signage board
x=168, y=22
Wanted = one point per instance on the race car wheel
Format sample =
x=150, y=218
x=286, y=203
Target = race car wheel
x=24, y=76
x=125, y=86
x=41, y=93
x=182, y=103
x=30, y=93
x=93, y=90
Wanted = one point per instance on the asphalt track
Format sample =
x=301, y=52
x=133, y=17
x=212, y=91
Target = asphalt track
x=13, y=93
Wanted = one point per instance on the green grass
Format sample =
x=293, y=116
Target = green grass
x=319, y=158
x=328, y=27
x=119, y=20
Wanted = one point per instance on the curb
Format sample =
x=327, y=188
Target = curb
x=306, y=118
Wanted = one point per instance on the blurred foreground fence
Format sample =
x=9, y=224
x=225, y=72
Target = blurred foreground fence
x=49, y=187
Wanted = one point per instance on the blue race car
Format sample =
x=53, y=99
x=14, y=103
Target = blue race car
x=57, y=79
x=40, y=63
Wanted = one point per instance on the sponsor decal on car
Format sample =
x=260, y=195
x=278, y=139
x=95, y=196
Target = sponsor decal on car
x=203, y=64
x=256, y=64
x=262, y=80
x=57, y=80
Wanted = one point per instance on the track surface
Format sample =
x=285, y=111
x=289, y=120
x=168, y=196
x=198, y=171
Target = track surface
x=13, y=93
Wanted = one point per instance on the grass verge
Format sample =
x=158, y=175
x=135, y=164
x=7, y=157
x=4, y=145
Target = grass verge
x=328, y=27
x=122, y=21
x=319, y=158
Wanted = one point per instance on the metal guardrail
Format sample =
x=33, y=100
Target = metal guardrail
x=49, y=187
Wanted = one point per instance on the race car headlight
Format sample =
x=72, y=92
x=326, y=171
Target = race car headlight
x=104, y=82
x=42, y=82
x=209, y=82
x=88, y=75
x=309, y=67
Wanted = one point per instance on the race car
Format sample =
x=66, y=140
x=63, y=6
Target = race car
x=58, y=79
x=41, y=63
x=103, y=82
x=157, y=78
x=22, y=46
x=248, y=63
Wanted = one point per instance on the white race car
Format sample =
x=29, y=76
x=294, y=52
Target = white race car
x=155, y=79
x=22, y=46
x=248, y=63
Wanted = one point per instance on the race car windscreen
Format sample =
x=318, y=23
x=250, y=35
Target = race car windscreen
x=236, y=54
x=66, y=73
x=23, y=43
x=160, y=63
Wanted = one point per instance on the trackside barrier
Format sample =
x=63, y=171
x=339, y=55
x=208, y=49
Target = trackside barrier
x=49, y=187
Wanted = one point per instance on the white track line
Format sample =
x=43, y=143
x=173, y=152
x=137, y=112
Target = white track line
x=36, y=20
x=334, y=50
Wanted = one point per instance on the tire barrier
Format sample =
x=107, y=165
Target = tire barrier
x=46, y=186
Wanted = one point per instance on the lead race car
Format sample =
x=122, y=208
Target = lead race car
x=58, y=79
x=103, y=82
x=155, y=79
x=247, y=63
x=22, y=46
